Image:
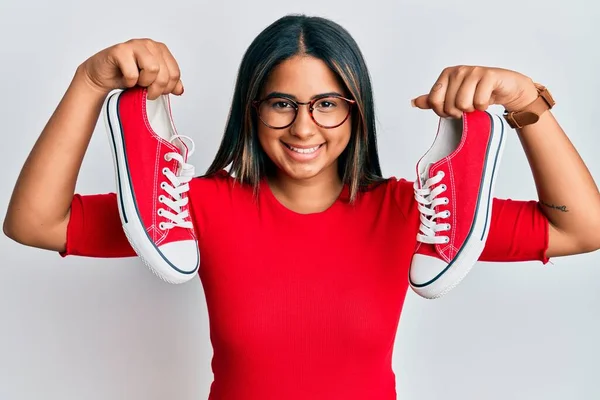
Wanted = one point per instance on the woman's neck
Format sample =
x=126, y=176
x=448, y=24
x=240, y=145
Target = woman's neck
x=306, y=196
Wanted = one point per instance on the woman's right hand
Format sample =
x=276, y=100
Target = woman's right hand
x=53, y=164
x=141, y=62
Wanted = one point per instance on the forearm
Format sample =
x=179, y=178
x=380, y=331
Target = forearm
x=42, y=195
x=567, y=192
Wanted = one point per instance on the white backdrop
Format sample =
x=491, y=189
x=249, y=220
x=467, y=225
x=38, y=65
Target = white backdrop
x=89, y=329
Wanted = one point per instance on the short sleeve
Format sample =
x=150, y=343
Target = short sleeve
x=94, y=228
x=518, y=232
x=404, y=197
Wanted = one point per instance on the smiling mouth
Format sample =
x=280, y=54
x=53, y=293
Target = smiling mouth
x=303, y=150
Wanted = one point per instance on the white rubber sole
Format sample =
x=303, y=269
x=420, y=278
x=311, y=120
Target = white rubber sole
x=471, y=250
x=132, y=224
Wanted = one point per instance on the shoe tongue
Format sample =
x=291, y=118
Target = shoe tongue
x=159, y=116
x=181, y=146
x=424, y=175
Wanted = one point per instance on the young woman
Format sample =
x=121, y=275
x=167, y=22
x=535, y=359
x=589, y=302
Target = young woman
x=305, y=253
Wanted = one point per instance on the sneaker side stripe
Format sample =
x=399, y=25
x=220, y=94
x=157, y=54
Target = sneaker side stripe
x=487, y=214
x=114, y=144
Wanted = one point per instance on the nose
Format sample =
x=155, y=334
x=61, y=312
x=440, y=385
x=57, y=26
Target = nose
x=303, y=127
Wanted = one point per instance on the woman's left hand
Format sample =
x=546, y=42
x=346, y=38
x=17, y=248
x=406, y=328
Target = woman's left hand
x=467, y=88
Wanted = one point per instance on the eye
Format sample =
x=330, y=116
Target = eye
x=280, y=104
x=329, y=105
x=326, y=103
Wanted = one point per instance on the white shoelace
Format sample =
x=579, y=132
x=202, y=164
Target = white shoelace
x=177, y=186
x=427, y=200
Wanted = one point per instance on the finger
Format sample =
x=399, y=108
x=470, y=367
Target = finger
x=174, y=72
x=148, y=65
x=159, y=85
x=123, y=57
x=421, y=102
x=465, y=94
x=178, y=90
x=484, y=93
x=455, y=82
x=437, y=95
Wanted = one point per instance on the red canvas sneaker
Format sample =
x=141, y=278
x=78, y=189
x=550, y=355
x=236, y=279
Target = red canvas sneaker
x=454, y=191
x=152, y=177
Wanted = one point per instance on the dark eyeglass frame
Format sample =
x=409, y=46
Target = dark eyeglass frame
x=297, y=104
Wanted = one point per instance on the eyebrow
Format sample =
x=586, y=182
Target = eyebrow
x=291, y=96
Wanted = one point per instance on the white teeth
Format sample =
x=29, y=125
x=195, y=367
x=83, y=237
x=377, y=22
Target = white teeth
x=304, y=151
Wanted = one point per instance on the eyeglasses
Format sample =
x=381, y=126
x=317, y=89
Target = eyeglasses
x=327, y=111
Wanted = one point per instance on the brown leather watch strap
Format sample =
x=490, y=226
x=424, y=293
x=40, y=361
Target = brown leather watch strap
x=530, y=114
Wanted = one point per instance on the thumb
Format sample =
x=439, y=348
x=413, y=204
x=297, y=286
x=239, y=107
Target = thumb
x=178, y=89
x=421, y=102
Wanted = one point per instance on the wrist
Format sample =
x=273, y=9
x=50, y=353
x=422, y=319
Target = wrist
x=528, y=112
x=529, y=93
x=82, y=81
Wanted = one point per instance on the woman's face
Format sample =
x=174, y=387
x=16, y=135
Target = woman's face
x=304, y=150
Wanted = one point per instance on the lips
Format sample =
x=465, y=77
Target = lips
x=303, y=149
x=303, y=154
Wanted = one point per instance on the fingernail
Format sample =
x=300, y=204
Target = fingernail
x=412, y=103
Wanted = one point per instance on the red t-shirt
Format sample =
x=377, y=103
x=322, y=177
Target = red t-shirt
x=304, y=306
